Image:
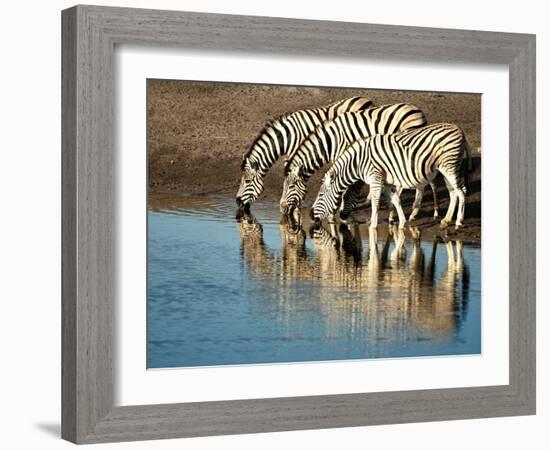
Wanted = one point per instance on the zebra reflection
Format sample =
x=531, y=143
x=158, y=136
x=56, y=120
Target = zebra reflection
x=385, y=287
x=292, y=264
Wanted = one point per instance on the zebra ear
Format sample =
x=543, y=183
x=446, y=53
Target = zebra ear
x=254, y=165
x=286, y=168
x=302, y=172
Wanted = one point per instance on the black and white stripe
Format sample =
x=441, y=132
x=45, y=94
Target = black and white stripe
x=332, y=138
x=281, y=137
x=408, y=160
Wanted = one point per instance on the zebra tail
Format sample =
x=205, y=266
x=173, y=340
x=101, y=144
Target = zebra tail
x=468, y=150
x=467, y=168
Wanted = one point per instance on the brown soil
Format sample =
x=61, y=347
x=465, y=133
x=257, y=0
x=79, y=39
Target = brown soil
x=198, y=132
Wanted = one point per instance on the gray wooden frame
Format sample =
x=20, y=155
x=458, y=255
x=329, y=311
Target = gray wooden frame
x=89, y=36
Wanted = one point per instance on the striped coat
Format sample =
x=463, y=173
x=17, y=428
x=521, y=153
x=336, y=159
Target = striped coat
x=332, y=138
x=281, y=137
x=388, y=162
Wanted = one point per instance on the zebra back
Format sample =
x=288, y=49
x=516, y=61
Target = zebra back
x=330, y=139
x=346, y=105
x=408, y=159
x=412, y=158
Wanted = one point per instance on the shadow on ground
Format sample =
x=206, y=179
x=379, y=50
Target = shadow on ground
x=52, y=429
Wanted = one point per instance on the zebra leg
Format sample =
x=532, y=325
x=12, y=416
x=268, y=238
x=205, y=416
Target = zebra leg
x=415, y=233
x=433, y=186
x=429, y=271
x=457, y=191
x=459, y=257
x=369, y=198
x=333, y=232
x=450, y=256
x=417, y=256
x=400, y=251
x=391, y=217
x=373, y=239
x=417, y=202
x=461, y=201
x=451, y=211
x=394, y=198
x=373, y=264
x=452, y=204
x=376, y=190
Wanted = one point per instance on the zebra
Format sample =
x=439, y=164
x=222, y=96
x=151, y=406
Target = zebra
x=280, y=137
x=332, y=138
x=408, y=160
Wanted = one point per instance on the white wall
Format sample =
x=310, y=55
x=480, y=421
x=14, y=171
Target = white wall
x=30, y=223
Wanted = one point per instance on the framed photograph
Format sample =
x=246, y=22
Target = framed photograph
x=265, y=229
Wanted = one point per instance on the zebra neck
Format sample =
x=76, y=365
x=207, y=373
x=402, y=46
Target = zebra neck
x=294, y=132
x=348, y=174
x=283, y=137
x=324, y=146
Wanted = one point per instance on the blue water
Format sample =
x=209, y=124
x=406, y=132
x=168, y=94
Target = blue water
x=221, y=292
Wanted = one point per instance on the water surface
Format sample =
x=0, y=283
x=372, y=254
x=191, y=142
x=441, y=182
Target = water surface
x=221, y=292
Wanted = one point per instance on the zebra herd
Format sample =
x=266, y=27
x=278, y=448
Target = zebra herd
x=390, y=148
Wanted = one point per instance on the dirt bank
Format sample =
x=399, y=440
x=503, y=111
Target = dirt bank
x=199, y=131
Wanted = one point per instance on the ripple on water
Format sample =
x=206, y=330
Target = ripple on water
x=220, y=208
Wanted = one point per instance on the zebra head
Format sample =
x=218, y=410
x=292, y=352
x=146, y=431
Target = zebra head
x=294, y=189
x=252, y=185
x=249, y=227
x=322, y=238
x=328, y=198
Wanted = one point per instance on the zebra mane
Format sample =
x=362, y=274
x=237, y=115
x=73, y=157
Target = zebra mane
x=272, y=123
x=293, y=155
x=287, y=168
x=287, y=165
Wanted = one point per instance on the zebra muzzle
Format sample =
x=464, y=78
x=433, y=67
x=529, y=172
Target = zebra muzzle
x=243, y=209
